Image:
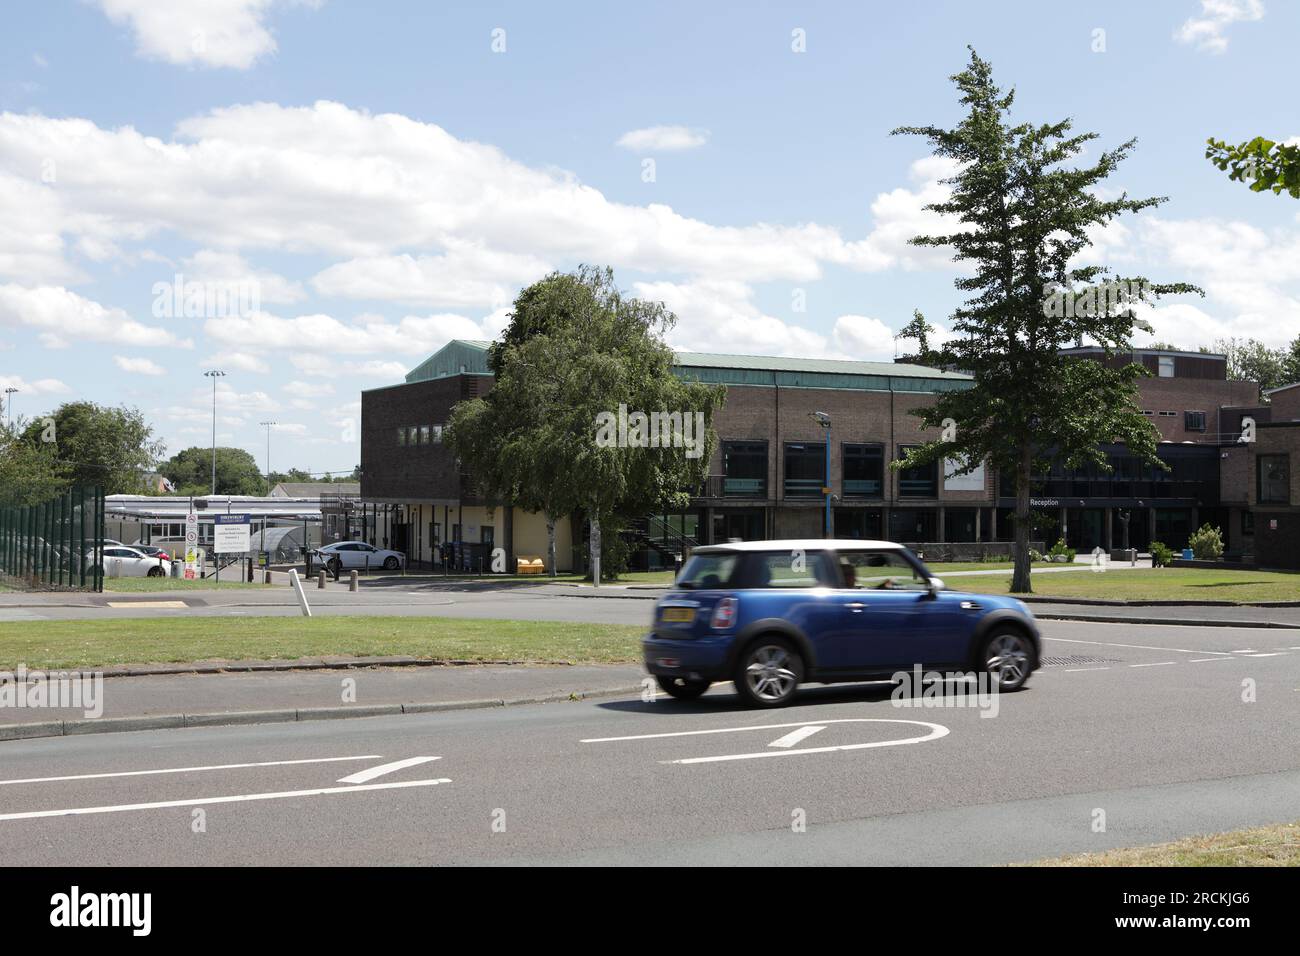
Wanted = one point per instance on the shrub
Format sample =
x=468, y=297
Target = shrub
x=1034, y=556
x=1061, y=552
x=1161, y=554
x=1206, y=544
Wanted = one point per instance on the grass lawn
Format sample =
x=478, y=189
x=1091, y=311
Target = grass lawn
x=175, y=584
x=942, y=567
x=1262, y=846
x=87, y=644
x=1150, y=584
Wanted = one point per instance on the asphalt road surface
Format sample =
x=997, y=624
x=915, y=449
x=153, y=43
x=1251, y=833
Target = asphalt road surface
x=1153, y=732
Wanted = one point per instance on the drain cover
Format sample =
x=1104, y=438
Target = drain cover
x=1076, y=659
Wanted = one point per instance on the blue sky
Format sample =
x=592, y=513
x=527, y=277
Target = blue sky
x=365, y=181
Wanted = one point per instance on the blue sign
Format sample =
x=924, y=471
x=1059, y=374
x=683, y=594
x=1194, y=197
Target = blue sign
x=232, y=519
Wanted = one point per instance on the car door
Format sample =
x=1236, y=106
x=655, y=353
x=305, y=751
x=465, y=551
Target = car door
x=879, y=603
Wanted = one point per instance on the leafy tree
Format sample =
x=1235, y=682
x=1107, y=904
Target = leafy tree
x=1262, y=163
x=96, y=445
x=919, y=329
x=1250, y=360
x=1291, y=362
x=576, y=349
x=1021, y=218
x=29, y=473
x=190, y=471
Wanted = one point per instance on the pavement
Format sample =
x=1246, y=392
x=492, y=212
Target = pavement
x=1132, y=734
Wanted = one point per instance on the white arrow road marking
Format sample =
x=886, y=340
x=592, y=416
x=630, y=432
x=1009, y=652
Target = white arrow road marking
x=365, y=776
x=205, y=801
x=794, y=736
x=1140, y=647
x=224, y=766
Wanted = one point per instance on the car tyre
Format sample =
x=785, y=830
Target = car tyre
x=155, y=572
x=768, y=672
x=335, y=566
x=1008, y=658
x=682, y=688
x=390, y=563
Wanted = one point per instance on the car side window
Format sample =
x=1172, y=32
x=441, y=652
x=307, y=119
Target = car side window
x=788, y=569
x=880, y=570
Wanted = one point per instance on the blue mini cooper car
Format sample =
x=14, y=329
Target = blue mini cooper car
x=770, y=615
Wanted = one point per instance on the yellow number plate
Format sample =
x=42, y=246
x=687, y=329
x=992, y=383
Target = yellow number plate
x=679, y=615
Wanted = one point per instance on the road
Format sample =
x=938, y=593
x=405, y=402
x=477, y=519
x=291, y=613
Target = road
x=1147, y=725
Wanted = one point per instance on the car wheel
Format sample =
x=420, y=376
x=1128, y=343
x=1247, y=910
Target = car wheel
x=335, y=566
x=1008, y=657
x=682, y=688
x=155, y=572
x=390, y=563
x=769, y=671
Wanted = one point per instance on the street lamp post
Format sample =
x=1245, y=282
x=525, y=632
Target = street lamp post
x=824, y=420
x=214, y=374
x=9, y=403
x=268, y=426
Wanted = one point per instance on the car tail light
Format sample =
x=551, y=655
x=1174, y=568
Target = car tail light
x=724, y=614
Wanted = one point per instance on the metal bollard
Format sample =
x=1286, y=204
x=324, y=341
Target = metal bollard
x=320, y=580
x=266, y=576
x=352, y=580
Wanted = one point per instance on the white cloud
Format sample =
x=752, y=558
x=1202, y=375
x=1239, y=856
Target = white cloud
x=232, y=271
x=467, y=275
x=720, y=316
x=663, y=139
x=862, y=337
x=62, y=317
x=242, y=361
x=412, y=335
x=216, y=33
x=40, y=386
x=138, y=366
x=1208, y=31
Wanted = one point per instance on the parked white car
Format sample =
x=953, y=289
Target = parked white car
x=123, y=562
x=347, y=555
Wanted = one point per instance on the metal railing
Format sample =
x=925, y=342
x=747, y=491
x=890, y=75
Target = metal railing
x=55, y=544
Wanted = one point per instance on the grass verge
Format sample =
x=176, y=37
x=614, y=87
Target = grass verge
x=1261, y=846
x=135, y=585
x=1151, y=584
x=50, y=645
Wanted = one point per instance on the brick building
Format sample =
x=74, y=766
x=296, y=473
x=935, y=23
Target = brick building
x=768, y=471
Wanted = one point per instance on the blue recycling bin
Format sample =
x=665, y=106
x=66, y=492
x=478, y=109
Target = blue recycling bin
x=1187, y=554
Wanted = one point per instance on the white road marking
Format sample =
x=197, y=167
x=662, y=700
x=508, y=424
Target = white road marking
x=1079, y=670
x=1245, y=650
x=794, y=736
x=1140, y=647
x=365, y=776
x=224, y=766
x=741, y=730
x=1271, y=654
x=205, y=801
x=1161, y=664
x=1205, y=660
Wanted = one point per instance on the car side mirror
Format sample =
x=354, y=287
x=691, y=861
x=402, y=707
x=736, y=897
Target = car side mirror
x=936, y=585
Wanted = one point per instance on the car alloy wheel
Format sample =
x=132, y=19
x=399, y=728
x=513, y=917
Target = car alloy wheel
x=1008, y=658
x=770, y=674
x=682, y=688
x=390, y=563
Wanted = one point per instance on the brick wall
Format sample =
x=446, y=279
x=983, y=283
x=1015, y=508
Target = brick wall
x=1180, y=395
x=390, y=471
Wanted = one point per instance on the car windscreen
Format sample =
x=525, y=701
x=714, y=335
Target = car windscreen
x=708, y=571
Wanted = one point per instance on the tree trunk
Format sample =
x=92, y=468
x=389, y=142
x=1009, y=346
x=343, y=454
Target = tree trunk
x=1020, y=575
x=595, y=549
x=550, y=544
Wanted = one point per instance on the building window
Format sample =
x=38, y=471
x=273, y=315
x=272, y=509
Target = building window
x=1168, y=414
x=424, y=434
x=1194, y=421
x=1274, y=480
x=1248, y=522
x=805, y=469
x=1166, y=366
x=864, y=471
x=437, y=434
x=744, y=469
x=921, y=482
x=413, y=435
x=401, y=436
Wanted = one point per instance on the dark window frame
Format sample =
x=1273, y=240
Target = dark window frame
x=803, y=487
x=1285, y=480
x=854, y=451
x=909, y=475
x=740, y=486
x=1191, y=418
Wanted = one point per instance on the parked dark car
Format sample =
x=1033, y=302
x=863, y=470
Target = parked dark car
x=771, y=615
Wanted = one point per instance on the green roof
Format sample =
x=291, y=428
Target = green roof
x=469, y=356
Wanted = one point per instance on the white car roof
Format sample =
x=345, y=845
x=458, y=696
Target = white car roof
x=803, y=544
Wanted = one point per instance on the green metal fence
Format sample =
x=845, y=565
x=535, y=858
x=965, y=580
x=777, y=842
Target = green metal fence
x=57, y=544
